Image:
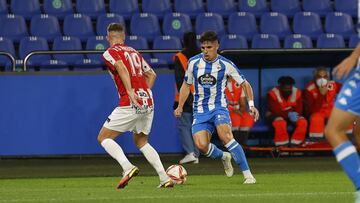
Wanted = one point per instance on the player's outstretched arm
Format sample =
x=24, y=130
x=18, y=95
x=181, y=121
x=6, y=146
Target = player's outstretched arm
x=183, y=95
x=344, y=68
x=250, y=98
x=125, y=78
x=150, y=77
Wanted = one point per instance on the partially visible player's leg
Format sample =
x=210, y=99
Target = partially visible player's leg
x=106, y=139
x=236, y=150
x=222, y=122
x=122, y=119
x=202, y=142
x=141, y=131
x=141, y=141
x=344, y=150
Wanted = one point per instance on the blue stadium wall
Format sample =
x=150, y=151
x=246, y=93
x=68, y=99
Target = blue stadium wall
x=61, y=114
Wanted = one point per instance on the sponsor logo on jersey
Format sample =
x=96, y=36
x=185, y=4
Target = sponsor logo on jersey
x=207, y=80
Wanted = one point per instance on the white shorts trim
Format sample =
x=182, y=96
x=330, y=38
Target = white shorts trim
x=124, y=119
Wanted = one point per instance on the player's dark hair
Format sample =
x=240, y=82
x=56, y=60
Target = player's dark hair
x=115, y=27
x=286, y=80
x=210, y=36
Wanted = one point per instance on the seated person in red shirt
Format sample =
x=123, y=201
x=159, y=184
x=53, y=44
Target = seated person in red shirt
x=285, y=107
x=320, y=95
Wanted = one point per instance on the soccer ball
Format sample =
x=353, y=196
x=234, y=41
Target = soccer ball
x=177, y=173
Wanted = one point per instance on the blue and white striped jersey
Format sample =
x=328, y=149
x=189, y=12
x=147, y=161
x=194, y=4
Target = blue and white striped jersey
x=210, y=79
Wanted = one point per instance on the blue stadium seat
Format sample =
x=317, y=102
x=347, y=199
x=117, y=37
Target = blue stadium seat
x=265, y=41
x=68, y=43
x=6, y=45
x=339, y=23
x=30, y=44
x=58, y=8
x=224, y=8
x=307, y=23
x=27, y=8
x=146, y=25
x=124, y=8
x=91, y=8
x=97, y=43
x=104, y=20
x=73, y=61
x=257, y=7
x=46, y=26
x=242, y=23
x=275, y=23
x=348, y=6
x=3, y=7
x=176, y=24
x=286, y=7
x=190, y=7
x=166, y=42
x=156, y=7
x=15, y=27
x=354, y=40
x=233, y=42
x=138, y=42
x=78, y=25
x=297, y=41
x=209, y=21
x=321, y=7
x=330, y=41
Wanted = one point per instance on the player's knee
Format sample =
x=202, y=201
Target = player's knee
x=140, y=140
x=100, y=138
x=226, y=137
x=203, y=147
x=329, y=132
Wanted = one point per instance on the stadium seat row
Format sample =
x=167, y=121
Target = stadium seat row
x=93, y=8
x=175, y=24
x=29, y=44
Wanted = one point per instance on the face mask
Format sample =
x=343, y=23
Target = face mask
x=321, y=82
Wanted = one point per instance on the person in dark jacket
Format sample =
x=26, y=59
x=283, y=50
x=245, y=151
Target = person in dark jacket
x=184, y=123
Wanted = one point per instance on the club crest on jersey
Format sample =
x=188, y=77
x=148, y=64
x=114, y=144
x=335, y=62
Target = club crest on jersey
x=207, y=80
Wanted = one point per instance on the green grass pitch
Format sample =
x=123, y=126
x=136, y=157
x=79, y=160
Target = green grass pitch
x=307, y=179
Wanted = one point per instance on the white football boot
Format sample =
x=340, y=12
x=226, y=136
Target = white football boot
x=189, y=158
x=226, y=160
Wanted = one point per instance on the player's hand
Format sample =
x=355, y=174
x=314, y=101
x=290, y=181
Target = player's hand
x=343, y=69
x=133, y=98
x=254, y=112
x=177, y=112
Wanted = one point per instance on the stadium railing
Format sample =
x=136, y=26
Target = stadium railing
x=26, y=59
x=12, y=59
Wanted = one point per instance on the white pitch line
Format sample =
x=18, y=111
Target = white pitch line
x=292, y=194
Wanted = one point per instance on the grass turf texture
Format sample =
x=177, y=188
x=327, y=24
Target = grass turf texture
x=307, y=179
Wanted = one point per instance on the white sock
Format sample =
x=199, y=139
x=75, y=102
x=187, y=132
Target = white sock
x=153, y=158
x=117, y=153
x=247, y=174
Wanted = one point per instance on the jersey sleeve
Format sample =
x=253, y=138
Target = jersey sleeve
x=111, y=56
x=189, y=76
x=234, y=72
